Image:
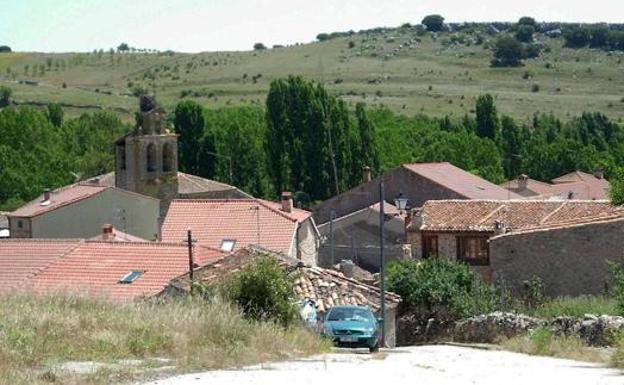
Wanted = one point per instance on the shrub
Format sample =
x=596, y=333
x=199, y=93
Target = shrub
x=533, y=292
x=524, y=33
x=259, y=46
x=263, y=291
x=617, y=290
x=508, y=52
x=351, y=44
x=440, y=288
x=535, y=88
x=5, y=96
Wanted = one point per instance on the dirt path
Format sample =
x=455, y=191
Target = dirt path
x=417, y=365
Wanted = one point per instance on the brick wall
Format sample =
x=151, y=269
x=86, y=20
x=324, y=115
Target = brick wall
x=571, y=261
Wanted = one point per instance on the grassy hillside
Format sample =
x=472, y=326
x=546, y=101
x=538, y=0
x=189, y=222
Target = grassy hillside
x=398, y=68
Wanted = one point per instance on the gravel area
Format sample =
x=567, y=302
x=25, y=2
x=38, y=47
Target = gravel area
x=433, y=364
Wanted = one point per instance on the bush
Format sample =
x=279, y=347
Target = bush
x=535, y=88
x=508, y=52
x=263, y=291
x=524, y=33
x=259, y=46
x=533, y=291
x=617, y=291
x=440, y=288
x=5, y=96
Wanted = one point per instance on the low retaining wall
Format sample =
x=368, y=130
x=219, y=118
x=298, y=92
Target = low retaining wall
x=490, y=328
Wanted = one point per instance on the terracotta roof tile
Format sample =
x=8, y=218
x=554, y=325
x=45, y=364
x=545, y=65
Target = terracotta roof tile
x=460, y=181
x=248, y=221
x=187, y=184
x=575, y=185
x=95, y=268
x=482, y=215
x=21, y=259
x=58, y=198
x=325, y=287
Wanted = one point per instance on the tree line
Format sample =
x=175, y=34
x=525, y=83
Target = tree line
x=307, y=141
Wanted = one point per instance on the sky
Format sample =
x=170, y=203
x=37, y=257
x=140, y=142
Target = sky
x=228, y=25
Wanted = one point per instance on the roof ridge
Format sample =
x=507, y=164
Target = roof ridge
x=491, y=214
x=547, y=216
x=258, y=201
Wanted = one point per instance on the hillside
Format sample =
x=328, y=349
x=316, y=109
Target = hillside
x=407, y=71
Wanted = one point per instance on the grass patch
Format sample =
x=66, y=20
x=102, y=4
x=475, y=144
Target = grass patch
x=38, y=333
x=617, y=359
x=543, y=342
x=575, y=307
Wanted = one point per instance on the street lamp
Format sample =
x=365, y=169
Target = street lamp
x=400, y=202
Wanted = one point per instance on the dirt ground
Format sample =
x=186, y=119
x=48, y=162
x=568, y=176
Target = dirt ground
x=439, y=364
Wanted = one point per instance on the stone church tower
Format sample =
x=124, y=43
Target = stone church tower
x=146, y=160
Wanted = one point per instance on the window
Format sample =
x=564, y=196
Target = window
x=473, y=250
x=131, y=277
x=20, y=224
x=227, y=245
x=167, y=157
x=151, y=157
x=429, y=246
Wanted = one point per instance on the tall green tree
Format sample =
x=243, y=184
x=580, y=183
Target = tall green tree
x=309, y=140
x=368, y=154
x=55, y=114
x=488, y=125
x=189, y=124
x=511, y=144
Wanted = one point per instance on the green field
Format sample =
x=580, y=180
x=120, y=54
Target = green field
x=396, y=68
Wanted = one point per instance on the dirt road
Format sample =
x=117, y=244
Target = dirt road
x=440, y=364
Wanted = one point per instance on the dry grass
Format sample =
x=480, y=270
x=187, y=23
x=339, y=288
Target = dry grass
x=36, y=334
x=544, y=342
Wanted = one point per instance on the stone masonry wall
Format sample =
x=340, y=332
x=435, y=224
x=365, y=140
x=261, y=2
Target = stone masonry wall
x=571, y=261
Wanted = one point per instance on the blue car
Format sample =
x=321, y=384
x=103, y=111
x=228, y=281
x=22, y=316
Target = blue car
x=352, y=326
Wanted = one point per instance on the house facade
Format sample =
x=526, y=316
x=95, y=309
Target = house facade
x=467, y=231
x=80, y=211
x=355, y=237
x=418, y=182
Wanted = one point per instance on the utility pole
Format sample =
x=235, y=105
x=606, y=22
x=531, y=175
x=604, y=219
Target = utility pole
x=189, y=241
x=382, y=274
x=331, y=237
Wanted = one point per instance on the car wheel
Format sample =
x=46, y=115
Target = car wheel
x=373, y=349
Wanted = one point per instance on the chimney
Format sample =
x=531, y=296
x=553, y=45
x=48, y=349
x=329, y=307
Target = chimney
x=46, y=195
x=499, y=227
x=366, y=174
x=523, y=181
x=107, y=232
x=599, y=173
x=287, y=202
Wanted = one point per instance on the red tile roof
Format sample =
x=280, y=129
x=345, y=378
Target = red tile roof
x=460, y=181
x=482, y=215
x=118, y=236
x=575, y=185
x=58, y=198
x=21, y=259
x=94, y=268
x=248, y=221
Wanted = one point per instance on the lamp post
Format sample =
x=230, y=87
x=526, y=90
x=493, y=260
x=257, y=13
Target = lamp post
x=382, y=283
x=400, y=202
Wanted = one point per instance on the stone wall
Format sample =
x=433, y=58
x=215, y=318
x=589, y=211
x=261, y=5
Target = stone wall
x=571, y=260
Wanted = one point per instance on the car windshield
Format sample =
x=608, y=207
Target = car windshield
x=350, y=314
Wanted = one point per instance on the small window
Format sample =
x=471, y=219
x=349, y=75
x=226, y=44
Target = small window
x=430, y=246
x=227, y=245
x=151, y=157
x=20, y=224
x=167, y=158
x=473, y=250
x=131, y=277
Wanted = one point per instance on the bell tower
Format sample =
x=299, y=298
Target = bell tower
x=146, y=160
